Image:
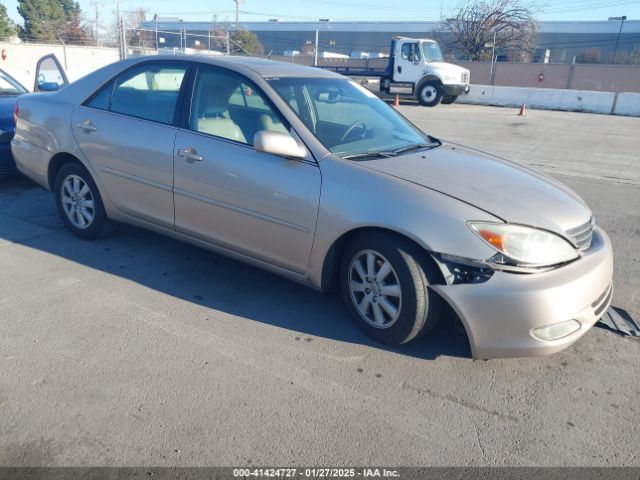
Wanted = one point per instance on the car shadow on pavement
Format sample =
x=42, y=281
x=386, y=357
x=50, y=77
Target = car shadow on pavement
x=195, y=275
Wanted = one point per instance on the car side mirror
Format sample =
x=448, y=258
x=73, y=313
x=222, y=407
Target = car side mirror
x=48, y=87
x=278, y=143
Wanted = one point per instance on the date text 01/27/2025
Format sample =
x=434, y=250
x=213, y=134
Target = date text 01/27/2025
x=315, y=473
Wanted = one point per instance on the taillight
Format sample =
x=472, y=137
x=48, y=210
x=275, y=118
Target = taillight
x=16, y=113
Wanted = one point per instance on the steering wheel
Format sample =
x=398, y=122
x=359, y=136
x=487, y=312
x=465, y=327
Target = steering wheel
x=352, y=127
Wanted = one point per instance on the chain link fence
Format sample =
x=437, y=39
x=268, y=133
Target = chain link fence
x=139, y=41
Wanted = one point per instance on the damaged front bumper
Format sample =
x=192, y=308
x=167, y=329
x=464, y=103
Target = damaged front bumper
x=518, y=315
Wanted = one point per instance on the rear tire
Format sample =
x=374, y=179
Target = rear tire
x=429, y=94
x=387, y=294
x=449, y=99
x=79, y=203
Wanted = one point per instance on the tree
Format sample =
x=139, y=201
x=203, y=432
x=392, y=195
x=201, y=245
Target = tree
x=244, y=42
x=472, y=26
x=626, y=58
x=136, y=37
x=44, y=20
x=589, y=55
x=75, y=29
x=7, y=27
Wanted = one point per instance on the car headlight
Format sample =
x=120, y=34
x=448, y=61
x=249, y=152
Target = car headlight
x=522, y=246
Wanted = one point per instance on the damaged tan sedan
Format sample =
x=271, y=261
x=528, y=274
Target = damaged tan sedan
x=305, y=173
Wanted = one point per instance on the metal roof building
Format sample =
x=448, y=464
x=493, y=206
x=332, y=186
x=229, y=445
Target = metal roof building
x=564, y=39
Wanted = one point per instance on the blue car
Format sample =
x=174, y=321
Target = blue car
x=10, y=90
x=50, y=76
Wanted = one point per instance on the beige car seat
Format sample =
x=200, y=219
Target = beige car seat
x=267, y=123
x=212, y=109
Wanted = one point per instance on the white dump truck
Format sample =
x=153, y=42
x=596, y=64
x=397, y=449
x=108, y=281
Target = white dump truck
x=415, y=70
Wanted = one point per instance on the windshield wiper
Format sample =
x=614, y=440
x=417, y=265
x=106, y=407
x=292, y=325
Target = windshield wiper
x=368, y=155
x=414, y=147
x=392, y=153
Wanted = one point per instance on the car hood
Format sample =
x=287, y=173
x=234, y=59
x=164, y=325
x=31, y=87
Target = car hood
x=509, y=191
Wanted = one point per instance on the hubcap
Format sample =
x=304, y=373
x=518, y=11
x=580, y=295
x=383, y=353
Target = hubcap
x=77, y=202
x=375, y=289
x=429, y=93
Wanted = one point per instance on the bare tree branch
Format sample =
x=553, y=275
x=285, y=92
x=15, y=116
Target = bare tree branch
x=473, y=24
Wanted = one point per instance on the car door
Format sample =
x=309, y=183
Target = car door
x=226, y=192
x=409, y=64
x=50, y=76
x=127, y=132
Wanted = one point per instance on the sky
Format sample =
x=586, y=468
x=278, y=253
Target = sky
x=301, y=10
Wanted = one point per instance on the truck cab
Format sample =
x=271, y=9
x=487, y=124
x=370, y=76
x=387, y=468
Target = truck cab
x=417, y=68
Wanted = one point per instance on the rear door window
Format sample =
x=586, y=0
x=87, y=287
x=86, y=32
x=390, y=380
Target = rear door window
x=149, y=92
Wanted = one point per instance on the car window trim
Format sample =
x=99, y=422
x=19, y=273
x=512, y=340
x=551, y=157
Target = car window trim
x=113, y=80
x=185, y=122
x=185, y=118
x=41, y=60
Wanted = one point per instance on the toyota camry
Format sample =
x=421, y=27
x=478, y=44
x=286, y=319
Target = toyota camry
x=307, y=174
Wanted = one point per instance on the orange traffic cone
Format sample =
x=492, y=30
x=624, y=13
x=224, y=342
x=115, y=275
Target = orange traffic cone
x=523, y=110
x=396, y=101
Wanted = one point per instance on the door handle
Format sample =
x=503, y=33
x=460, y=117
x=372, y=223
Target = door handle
x=190, y=155
x=86, y=126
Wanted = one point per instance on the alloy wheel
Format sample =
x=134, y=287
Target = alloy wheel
x=78, y=202
x=375, y=289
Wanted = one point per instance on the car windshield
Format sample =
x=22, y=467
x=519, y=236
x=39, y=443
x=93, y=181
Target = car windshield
x=9, y=86
x=348, y=119
x=432, y=52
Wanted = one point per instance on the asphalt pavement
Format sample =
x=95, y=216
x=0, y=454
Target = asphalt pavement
x=140, y=350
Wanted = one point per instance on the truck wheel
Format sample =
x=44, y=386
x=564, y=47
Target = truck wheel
x=429, y=95
x=449, y=99
x=384, y=281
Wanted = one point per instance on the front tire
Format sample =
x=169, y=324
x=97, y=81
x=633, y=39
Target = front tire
x=384, y=281
x=79, y=203
x=429, y=94
x=449, y=99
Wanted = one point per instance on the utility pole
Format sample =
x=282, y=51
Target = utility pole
x=615, y=50
x=315, y=50
x=119, y=31
x=96, y=29
x=493, y=52
x=155, y=20
x=238, y=3
x=123, y=39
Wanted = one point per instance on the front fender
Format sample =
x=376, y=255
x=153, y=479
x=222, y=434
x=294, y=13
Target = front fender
x=355, y=197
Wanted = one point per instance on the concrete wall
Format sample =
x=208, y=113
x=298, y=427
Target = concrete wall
x=601, y=78
x=21, y=60
x=628, y=104
x=555, y=99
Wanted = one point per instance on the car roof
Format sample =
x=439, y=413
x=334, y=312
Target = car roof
x=264, y=67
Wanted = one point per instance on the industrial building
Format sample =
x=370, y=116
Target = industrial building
x=557, y=41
